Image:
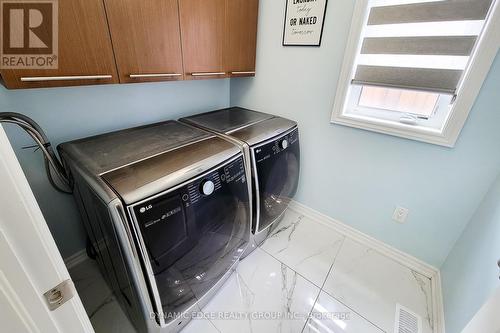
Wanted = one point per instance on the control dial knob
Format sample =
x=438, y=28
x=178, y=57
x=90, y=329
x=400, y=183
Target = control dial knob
x=284, y=144
x=207, y=187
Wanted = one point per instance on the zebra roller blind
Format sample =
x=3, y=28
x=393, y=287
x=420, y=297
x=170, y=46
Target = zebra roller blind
x=420, y=46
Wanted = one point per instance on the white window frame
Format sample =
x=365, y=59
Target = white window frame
x=480, y=63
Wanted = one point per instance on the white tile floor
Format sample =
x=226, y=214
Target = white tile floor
x=306, y=277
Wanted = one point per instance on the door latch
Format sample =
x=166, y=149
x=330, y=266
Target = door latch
x=60, y=294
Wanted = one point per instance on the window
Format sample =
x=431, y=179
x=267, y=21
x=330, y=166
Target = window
x=413, y=68
x=419, y=103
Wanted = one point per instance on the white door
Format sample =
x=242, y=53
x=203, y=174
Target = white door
x=30, y=263
x=487, y=320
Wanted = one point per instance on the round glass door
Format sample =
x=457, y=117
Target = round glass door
x=278, y=168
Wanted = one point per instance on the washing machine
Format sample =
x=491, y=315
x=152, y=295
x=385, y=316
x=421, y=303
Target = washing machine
x=271, y=146
x=167, y=209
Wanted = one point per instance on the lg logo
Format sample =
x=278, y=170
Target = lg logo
x=145, y=208
x=29, y=34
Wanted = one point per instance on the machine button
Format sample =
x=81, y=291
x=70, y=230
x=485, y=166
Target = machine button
x=284, y=144
x=207, y=187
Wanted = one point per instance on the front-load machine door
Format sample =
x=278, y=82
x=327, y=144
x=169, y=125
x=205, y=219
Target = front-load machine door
x=276, y=173
x=193, y=234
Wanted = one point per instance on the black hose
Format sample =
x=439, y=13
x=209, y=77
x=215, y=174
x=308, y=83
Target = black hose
x=26, y=119
x=53, y=183
x=38, y=135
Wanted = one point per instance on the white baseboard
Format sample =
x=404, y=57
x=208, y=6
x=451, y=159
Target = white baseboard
x=76, y=259
x=437, y=303
x=403, y=258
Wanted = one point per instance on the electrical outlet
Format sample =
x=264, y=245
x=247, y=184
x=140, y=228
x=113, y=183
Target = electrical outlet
x=400, y=214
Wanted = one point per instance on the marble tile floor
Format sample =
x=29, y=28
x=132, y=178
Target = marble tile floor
x=305, y=277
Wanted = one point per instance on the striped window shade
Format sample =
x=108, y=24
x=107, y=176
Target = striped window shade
x=424, y=45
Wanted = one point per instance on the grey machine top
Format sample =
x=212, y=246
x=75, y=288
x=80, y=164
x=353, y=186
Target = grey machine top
x=245, y=125
x=227, y=120
x=142, y=161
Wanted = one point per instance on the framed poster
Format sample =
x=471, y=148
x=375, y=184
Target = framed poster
x=304, y=20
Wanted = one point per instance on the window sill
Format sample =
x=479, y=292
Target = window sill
x=412, y=132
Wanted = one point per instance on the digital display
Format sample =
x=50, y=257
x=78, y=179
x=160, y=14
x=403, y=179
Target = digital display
x=234, y=171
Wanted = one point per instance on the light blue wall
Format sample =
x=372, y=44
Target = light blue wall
x=357, y=176
x=70, y=113
x=352, y=175
x=470, y=273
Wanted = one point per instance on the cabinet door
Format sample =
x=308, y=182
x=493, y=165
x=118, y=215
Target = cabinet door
x=85, y=51
x=146, y=39
x=202, y=30
x=241, y=37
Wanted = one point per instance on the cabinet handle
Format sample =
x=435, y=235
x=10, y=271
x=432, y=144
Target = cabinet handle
x=243, y=73
x=65, y=78
x=208, y=74
x=137, y=76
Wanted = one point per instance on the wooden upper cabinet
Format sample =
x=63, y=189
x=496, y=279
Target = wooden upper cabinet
x=146, y=39
x=111, y=41
x=241, y=37
x=85, y=54
x=202, y=33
